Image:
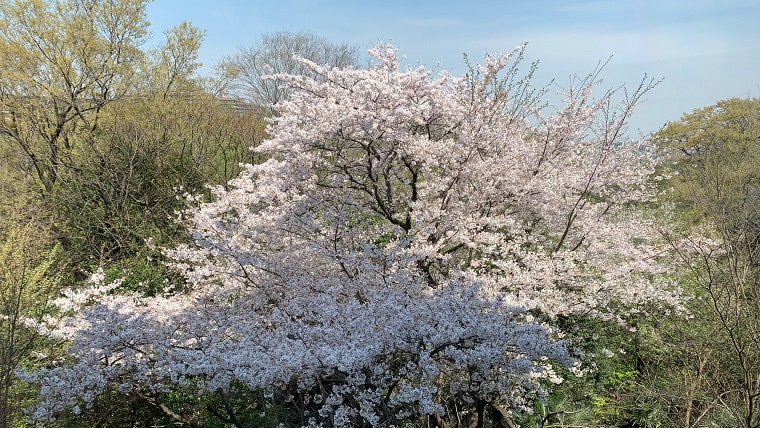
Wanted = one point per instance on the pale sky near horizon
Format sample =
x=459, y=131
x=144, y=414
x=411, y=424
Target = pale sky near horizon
x=704, y=50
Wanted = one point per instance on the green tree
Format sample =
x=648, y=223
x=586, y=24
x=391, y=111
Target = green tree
x=63, y=61
x=99, y=139
x=715, y=155
x=172, y=66
x=157, y=151
x=112, y=133
x=27, y=281
x=166, y=138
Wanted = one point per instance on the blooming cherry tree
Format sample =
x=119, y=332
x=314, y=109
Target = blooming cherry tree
x=398, y=259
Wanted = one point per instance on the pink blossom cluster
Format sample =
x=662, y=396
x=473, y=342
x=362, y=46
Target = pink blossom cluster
x=402, y=252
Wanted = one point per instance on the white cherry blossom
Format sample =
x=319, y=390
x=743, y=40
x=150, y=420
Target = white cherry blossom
x=402, y=252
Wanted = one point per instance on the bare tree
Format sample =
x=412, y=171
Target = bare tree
x=277, y=53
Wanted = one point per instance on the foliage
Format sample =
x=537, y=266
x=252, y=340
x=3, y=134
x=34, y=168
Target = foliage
x=63, y=61
x=100, y=141
x=715, y=152
x=154, y=151
x=401, y=257
x=113, y=134
x=27, y=281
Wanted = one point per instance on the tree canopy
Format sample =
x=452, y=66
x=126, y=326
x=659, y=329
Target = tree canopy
x=402, y=255
x=713, y=153
x=63, y=61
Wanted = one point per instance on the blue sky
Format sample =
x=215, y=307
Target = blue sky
x=705, y=50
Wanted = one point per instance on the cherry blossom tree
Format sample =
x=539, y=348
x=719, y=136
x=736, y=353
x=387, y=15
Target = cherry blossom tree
x=400, y=258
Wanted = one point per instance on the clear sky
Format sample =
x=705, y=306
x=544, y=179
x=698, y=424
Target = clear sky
x=705, y=50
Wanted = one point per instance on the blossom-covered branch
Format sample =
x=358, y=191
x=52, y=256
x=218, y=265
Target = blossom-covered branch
x=401, y=254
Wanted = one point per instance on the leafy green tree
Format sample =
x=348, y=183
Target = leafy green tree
x=157, y=150
x=715, y=155
x=110, y=132
x=172, y=66
x=167, y=138
x=27, y=281
x=63, y=62
x=99, y=140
